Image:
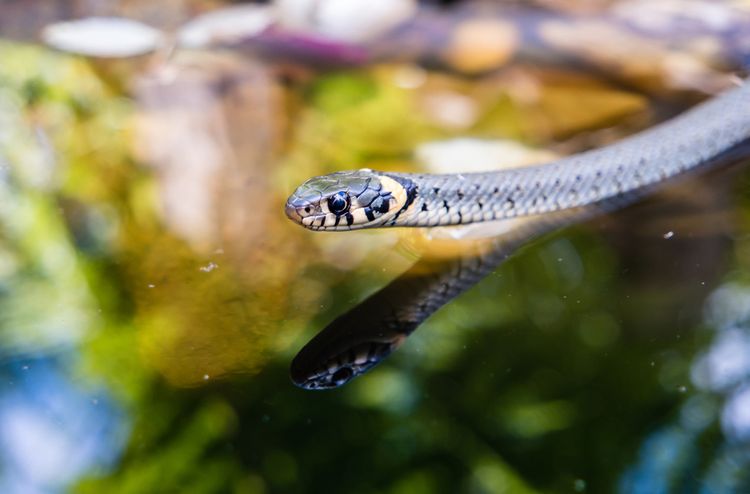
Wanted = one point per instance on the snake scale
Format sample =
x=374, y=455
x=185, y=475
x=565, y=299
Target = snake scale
x=366, y=198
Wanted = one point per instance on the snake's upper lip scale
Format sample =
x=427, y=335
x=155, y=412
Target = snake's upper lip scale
x=291, y=212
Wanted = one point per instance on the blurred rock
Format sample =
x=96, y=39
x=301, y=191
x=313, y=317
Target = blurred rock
x=103, y=37
x=478, y=155
x=225, y=25
x=209, y=126
x=479, y=45
x=664, y=17
x=612, y=48
x=345, y=20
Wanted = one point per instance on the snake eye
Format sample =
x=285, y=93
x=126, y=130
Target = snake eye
x=341, y=376
x=338, y=203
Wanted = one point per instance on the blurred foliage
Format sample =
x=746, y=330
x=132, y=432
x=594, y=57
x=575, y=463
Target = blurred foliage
x=540, y=379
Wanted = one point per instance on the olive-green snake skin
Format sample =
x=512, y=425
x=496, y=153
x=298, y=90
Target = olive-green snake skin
x=366, y=198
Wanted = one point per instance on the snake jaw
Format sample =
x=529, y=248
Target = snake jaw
x=372, y=199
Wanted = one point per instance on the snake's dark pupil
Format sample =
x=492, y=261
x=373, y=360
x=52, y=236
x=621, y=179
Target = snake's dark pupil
x=338, y=203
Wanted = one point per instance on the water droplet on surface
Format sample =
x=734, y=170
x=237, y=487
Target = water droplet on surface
x=206, y=377
x=151, y=285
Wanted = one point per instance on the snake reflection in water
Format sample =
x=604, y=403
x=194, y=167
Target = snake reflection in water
x=556, y=193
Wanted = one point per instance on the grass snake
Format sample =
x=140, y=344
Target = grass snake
x=570, y=190
x=366, y=198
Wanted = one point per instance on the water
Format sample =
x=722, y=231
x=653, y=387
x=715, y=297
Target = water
x=154, y=295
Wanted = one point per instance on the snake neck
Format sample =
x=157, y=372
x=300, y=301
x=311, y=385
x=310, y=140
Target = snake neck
x=411, y=191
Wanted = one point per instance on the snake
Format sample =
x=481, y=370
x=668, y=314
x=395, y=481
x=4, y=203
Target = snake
x=365, y=198
x=571, y=189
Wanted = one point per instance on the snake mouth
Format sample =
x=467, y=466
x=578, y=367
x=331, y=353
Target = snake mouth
x=311, y=217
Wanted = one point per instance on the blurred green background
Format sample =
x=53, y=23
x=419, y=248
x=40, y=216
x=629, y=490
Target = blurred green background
x=152, y=293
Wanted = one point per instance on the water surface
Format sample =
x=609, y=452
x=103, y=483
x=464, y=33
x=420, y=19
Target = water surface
x=154, y=294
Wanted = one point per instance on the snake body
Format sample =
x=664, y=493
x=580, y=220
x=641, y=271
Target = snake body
x=570, y=189
x=366, y=198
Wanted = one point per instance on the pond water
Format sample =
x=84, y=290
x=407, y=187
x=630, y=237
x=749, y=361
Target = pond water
x=154, y=294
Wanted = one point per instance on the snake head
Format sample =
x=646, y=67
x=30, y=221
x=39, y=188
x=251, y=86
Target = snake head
x=348, y=200
x=326, y=364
